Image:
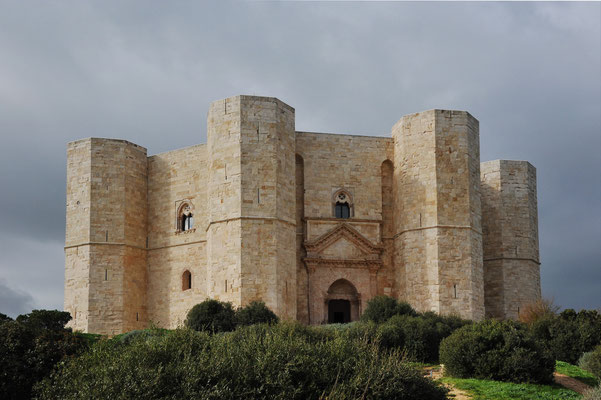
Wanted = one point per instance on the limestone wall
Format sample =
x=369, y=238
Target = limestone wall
x=355, y=164
x=510, y=227
x=438, y=237
x=176, y=177
x=113, y=207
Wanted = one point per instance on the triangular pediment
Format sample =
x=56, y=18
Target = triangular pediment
x=343, y=248
x=343, y=241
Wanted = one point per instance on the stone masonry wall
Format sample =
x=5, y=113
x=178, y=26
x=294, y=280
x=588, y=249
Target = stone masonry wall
x=112, y=255
x=510, y=227
x=176, y=177
x=438, y=243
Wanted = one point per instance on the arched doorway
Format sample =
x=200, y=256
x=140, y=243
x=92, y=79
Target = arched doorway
x=342, y=302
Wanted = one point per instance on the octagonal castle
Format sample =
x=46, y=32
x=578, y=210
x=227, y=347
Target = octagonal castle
x=313, y=224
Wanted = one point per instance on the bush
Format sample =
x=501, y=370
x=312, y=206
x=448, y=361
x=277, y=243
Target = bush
x=212, y=316
x=282, y=361
x=140, y=334
x=419, y=336
x=538, y=309
x=380, y=308
x=570, y=334
x=496, y=350
x=591, y=361
x=255, y=313
x=593, y=394
x=30, y=347
x=45, y=319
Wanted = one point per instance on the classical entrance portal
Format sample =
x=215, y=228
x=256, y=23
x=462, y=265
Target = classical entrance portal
x=342, y=302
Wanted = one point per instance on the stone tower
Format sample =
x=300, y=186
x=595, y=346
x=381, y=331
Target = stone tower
x=438, y=239
x=252, y=203
x=510, y=227
x=105, y=250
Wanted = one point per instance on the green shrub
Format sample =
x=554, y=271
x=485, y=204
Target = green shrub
x=496, y=350
x=255, y=313
x=140, y=334
x=570, y=334
x=380, y=308
x=418, y=336
x=281, y=361
x=591, y=361
x=30, y=347
x=593, y=394
x=212, y=316
x=45, y=319
x=4, y=318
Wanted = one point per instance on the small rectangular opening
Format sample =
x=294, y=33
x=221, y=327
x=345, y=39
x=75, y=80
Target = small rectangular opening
x=137, y=316
x=106, y=236
x=455, y=290
x=226, y=286
x=106, y=274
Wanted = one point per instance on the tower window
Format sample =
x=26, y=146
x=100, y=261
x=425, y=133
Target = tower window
x=187, y=222
x=185, y=217
x=343, y=210
x=342, y=205
x=186, y=280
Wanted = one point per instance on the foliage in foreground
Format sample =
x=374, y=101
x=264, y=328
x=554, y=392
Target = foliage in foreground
x=283, y=361
x=569, y=334
x=381, y=308
x=486, y=390
x=591, y=362
x=497, y=350
x=576, y=373
x=395, y=325
x=31, y=346
x=217, y=316
x=593, y=394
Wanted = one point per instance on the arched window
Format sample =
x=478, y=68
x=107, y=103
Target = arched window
x=185, y=218
x=186, y=280
x=343, y=206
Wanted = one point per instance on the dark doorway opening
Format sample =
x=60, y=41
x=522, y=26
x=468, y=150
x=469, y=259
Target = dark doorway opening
x=339, y=311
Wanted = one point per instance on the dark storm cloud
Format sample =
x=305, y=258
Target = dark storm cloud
x=147, y=71
x=14, y=302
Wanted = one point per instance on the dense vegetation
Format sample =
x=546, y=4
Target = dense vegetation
x=217, y=316
x=591, y=361
x=30, y=346
x=282, y=361
x=569, y=334
x=246, y=353
x=496, y=350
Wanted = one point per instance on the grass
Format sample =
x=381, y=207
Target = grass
x=492, y=390
x=576, y=373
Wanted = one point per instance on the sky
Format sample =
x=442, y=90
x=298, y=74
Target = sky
x=146, y=71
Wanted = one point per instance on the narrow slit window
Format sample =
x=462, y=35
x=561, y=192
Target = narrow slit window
x=186, y=280
x=226, y=286
x=106, y=274
x=455, y=290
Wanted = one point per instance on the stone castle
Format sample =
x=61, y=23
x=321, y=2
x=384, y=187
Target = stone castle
x=313, y=224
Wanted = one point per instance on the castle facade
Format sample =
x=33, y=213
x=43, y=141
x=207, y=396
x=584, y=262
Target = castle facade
x=312, y=224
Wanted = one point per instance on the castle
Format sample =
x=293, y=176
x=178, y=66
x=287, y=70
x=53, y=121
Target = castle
x=313, y=224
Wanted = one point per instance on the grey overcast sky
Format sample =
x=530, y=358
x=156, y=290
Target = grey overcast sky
x=146, y=71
